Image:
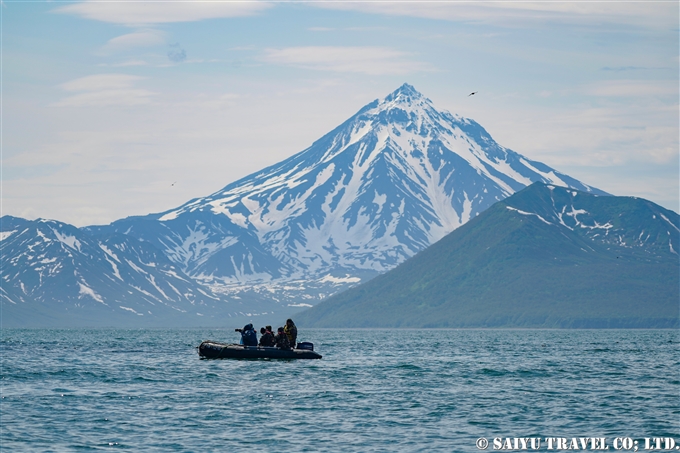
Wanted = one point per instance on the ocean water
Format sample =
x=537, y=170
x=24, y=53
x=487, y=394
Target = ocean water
x=373, y=391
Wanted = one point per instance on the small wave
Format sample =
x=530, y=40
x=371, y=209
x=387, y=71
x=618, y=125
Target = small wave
x=492, y=372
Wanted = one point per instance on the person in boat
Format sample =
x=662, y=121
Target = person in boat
x=266, y=337
x=282, y=339
x=248, y=335
x=291, y=332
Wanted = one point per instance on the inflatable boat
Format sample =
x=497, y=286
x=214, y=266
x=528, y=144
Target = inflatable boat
x=217, y=350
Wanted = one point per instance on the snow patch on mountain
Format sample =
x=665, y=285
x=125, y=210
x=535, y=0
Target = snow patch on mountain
x=131, y=310
x=5, y=234
x=87, y=291
x=330, y=279
x=70, y=241
x=669, y=222
x=519, y=211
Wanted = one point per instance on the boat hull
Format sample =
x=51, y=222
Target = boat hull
x=217, y=350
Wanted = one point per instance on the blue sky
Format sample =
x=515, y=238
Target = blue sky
x=125, y=108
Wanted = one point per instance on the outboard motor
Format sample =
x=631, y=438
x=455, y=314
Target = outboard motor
x=306, y=345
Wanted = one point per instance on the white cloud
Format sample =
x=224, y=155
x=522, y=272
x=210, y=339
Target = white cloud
x=105, y=90
x=366, y=60
x=633, y=88
x=159, y=11
x=100, y=82
x=140, y=38
x=645, y=14
x=604, y=136
x=126, y=63
x=107, y=97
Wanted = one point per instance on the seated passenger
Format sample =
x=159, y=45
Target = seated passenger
x=266, y=338
x=248, y=335
x=282, y=339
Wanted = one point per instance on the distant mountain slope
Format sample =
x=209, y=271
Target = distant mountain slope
x=388, y=182
x=545, y=257
x=53, y=274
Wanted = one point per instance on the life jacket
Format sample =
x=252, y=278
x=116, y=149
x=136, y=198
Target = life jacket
x=291, y=333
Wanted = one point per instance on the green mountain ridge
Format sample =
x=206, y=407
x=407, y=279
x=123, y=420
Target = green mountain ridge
x=546, y=257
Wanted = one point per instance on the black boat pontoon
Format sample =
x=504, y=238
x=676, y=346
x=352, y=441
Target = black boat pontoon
x=217, y=350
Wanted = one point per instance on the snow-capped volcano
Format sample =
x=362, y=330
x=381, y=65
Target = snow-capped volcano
x=388, y=182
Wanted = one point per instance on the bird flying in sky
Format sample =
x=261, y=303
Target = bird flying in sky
x=474, y=92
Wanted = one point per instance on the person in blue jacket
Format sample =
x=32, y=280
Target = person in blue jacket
x=248, y=335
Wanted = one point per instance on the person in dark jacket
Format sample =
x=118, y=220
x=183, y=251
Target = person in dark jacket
x=248, y=335
x=282, y=339
x=291, y=332
x=266, y=338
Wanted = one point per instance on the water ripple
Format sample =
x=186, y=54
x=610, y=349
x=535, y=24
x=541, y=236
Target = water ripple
x=374, y=390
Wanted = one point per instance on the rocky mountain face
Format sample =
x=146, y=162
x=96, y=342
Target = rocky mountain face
x=54, y=273
x=387, y=183
x=547, y=256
